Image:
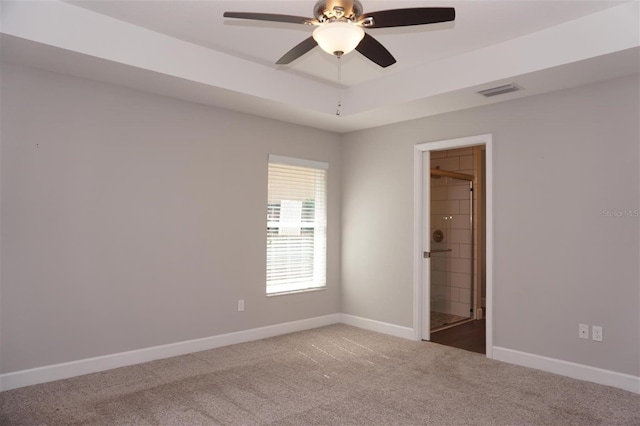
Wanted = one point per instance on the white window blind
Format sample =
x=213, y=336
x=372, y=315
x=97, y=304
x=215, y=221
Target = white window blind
x=296, y=225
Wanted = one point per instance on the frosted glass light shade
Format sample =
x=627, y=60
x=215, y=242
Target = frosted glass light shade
x=338, y=37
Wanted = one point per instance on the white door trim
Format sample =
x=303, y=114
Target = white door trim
x=420, y=211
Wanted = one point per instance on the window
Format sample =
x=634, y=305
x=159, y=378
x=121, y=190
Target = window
x=296, y=225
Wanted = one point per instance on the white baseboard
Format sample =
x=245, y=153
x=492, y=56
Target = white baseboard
x=379, y=326
x=93, y=365
x=570, y=369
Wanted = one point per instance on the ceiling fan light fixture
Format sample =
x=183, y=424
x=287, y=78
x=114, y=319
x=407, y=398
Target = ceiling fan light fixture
x=338, y=37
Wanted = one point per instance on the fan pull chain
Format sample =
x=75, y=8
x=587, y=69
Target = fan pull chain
x=338, y=110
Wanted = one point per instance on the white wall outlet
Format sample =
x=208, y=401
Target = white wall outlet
x=240, y=305
x=596, y=333
x=583, y=331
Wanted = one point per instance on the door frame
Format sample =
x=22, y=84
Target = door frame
x=421, y=216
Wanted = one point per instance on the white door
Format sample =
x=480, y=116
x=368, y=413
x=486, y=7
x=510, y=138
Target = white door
x=425, y=303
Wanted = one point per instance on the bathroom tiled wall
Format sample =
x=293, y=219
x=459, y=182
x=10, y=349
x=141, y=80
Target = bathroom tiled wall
x=452, y=272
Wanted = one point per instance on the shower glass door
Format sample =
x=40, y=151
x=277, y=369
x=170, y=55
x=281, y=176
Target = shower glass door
x=452, y=251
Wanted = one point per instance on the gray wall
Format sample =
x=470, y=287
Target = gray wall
x=131, y=220
x=560, y=160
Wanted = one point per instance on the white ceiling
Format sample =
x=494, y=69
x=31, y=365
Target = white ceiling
x=186, y=49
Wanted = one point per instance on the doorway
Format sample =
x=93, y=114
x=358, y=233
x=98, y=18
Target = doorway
x=453, y=244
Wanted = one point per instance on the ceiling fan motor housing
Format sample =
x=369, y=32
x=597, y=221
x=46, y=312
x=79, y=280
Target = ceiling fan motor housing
x=332, y=10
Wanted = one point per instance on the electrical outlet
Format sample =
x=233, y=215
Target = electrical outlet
x=596, y=333
x=240, y=305
x=583, y=331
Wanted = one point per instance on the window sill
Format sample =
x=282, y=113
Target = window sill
x=306, y=290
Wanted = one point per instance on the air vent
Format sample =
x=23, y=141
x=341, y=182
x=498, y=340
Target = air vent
x=495, y=91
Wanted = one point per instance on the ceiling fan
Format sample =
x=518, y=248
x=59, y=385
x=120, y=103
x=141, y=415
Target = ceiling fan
x=340, y=27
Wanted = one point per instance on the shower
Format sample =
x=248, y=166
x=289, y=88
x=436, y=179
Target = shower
x=452, y=249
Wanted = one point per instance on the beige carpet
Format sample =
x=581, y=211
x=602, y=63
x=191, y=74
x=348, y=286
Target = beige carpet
x=331, y=375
